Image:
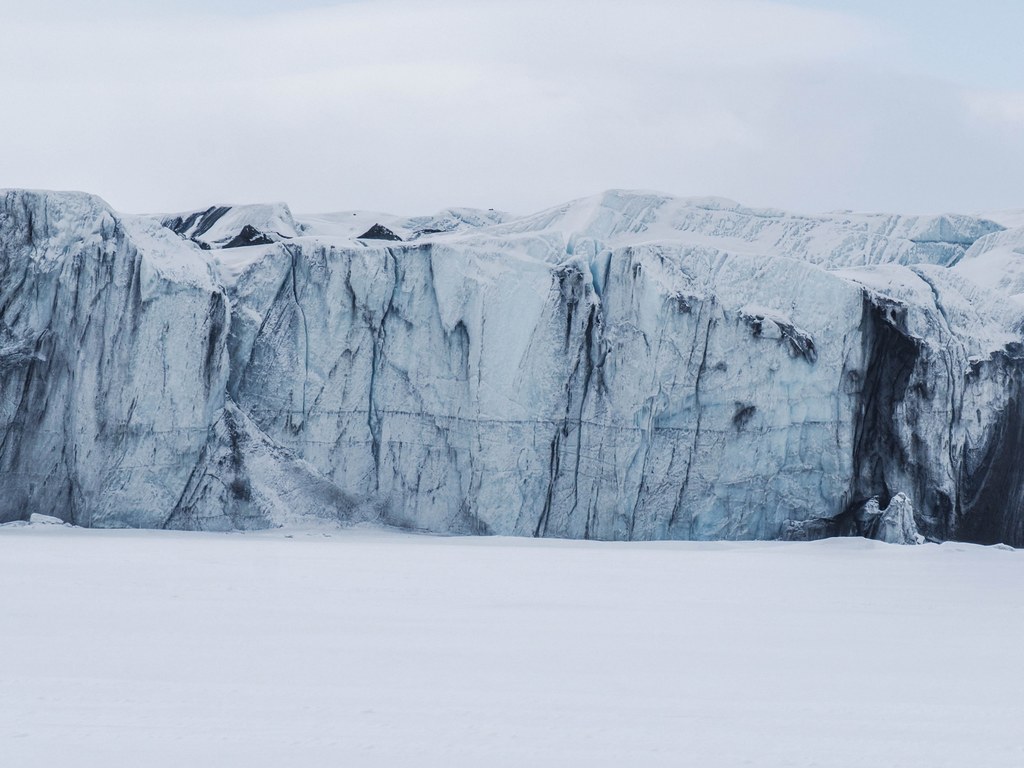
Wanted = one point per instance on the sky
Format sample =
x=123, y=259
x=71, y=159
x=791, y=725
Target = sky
x=410, y=106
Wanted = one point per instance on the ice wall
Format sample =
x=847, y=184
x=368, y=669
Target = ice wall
x=629, y=366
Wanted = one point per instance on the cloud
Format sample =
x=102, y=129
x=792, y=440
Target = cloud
x=999, y=109
x=411, y=106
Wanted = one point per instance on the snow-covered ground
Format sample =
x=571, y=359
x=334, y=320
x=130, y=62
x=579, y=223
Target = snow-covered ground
x=370, y=648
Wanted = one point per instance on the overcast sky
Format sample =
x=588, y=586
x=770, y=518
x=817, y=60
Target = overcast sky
x=411, y=106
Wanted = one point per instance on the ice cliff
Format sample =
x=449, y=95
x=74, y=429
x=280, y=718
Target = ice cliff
x=627, y=366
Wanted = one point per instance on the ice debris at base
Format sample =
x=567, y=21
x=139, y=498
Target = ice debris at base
x=627, y=366
x=893, y=524
x=41, y=519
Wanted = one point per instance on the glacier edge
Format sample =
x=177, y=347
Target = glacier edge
x=629, y=366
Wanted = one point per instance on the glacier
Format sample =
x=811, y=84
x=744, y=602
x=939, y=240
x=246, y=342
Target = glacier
x=628, y=366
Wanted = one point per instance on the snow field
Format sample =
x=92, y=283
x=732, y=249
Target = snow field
x=373, y=648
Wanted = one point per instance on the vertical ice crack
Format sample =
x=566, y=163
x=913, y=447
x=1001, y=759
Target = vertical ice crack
x=696, y=432
x=588, y=369
x=956, y=398
x=305, y=329
x=573, y=417
x=373, y=420
x=553, y=468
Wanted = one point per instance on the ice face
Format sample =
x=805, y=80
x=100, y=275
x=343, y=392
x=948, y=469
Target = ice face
x=118, y=367
x=629, y=366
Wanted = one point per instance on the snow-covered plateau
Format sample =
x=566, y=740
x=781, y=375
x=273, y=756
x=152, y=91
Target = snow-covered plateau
x=372, y=648
x=627, y=366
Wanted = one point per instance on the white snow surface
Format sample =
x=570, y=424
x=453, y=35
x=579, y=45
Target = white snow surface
x=351, y=224
x=996, y=262
x=1010, y=219
x=371, y=648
